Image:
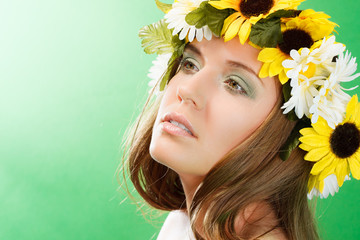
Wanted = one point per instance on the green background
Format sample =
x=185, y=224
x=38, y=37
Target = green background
x=72, y=77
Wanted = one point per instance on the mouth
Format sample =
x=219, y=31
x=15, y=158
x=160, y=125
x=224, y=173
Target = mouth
x=179, y=124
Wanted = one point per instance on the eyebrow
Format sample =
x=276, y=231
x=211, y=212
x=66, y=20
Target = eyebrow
x=193, y=49
x=247, y=68
x=229, y=62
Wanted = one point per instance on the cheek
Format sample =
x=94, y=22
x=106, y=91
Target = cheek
x=232, y=124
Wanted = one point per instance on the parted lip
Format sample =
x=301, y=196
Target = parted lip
x=174, y=116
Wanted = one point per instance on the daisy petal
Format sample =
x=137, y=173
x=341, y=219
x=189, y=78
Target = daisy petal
x=207, y=33
x=199, y=35
x=191, y=35
x=183, y=33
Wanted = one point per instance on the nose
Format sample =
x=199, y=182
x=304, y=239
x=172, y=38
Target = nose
x=195, y=89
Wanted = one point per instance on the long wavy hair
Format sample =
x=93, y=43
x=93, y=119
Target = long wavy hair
x=251, y=172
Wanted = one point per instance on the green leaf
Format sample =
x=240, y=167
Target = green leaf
x=206, y=14
x=179, y=46
x=293, y=140
x=284, y=14
x=215, y=18
x=167, y=74
x=164, y=7
x=197, y=17
x=156, y=38
x=286, y=89
x=267, y=32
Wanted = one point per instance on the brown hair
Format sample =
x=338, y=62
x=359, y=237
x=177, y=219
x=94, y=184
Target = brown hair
x=251, y=172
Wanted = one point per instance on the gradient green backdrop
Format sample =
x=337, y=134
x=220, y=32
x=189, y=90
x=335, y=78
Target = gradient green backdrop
x=72, y=76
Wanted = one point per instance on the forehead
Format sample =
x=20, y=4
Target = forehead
x=233, y=50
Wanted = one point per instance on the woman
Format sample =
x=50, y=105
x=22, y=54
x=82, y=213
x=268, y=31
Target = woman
x=212, y=144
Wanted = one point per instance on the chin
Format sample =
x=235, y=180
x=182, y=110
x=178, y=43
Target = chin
x=176, y=160
x=159, y=150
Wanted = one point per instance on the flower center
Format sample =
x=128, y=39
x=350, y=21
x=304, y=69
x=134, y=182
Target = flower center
x=253, y=8
x=345, y=140
x=295, y=39
x=310, y=72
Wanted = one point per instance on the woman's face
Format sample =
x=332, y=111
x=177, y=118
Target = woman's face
x=214, y=102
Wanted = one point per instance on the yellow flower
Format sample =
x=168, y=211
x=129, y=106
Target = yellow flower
x=323, y=188
x=334, y=151
x=248, y=12
x=272, y=59
x=315, y=23
x=299, y=32
x=315, y=182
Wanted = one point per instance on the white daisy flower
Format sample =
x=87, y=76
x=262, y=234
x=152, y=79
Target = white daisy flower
x=332, y=100
x=302, y=94
x=299, y=63
x=308, y=69
x=312, y=62
x=345, y=68
x=156, y=72
x=330, y=187
x=176, y=20
x=330, y=104
x=327, y=50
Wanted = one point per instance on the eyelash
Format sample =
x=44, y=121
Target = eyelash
x=183, y=63
x=230, y=81
x=183, y=67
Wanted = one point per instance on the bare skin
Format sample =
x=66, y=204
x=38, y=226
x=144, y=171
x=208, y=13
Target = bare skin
x=219, y=100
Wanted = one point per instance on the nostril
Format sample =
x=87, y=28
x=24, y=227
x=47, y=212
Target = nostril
x=186, y=99
x=188, y=95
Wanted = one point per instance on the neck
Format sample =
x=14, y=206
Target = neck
x=259, y=212
x=190, y=184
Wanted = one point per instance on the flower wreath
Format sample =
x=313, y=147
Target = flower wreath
x=299, y=48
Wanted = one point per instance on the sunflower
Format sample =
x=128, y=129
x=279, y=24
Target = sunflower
x=247, y=13
x=334, y=151
x=299, y=32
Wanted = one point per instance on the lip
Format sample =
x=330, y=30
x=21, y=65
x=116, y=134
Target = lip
x=174, y=116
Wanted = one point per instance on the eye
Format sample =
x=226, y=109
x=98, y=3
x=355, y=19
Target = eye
x=235, y=87
x=189, y=65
